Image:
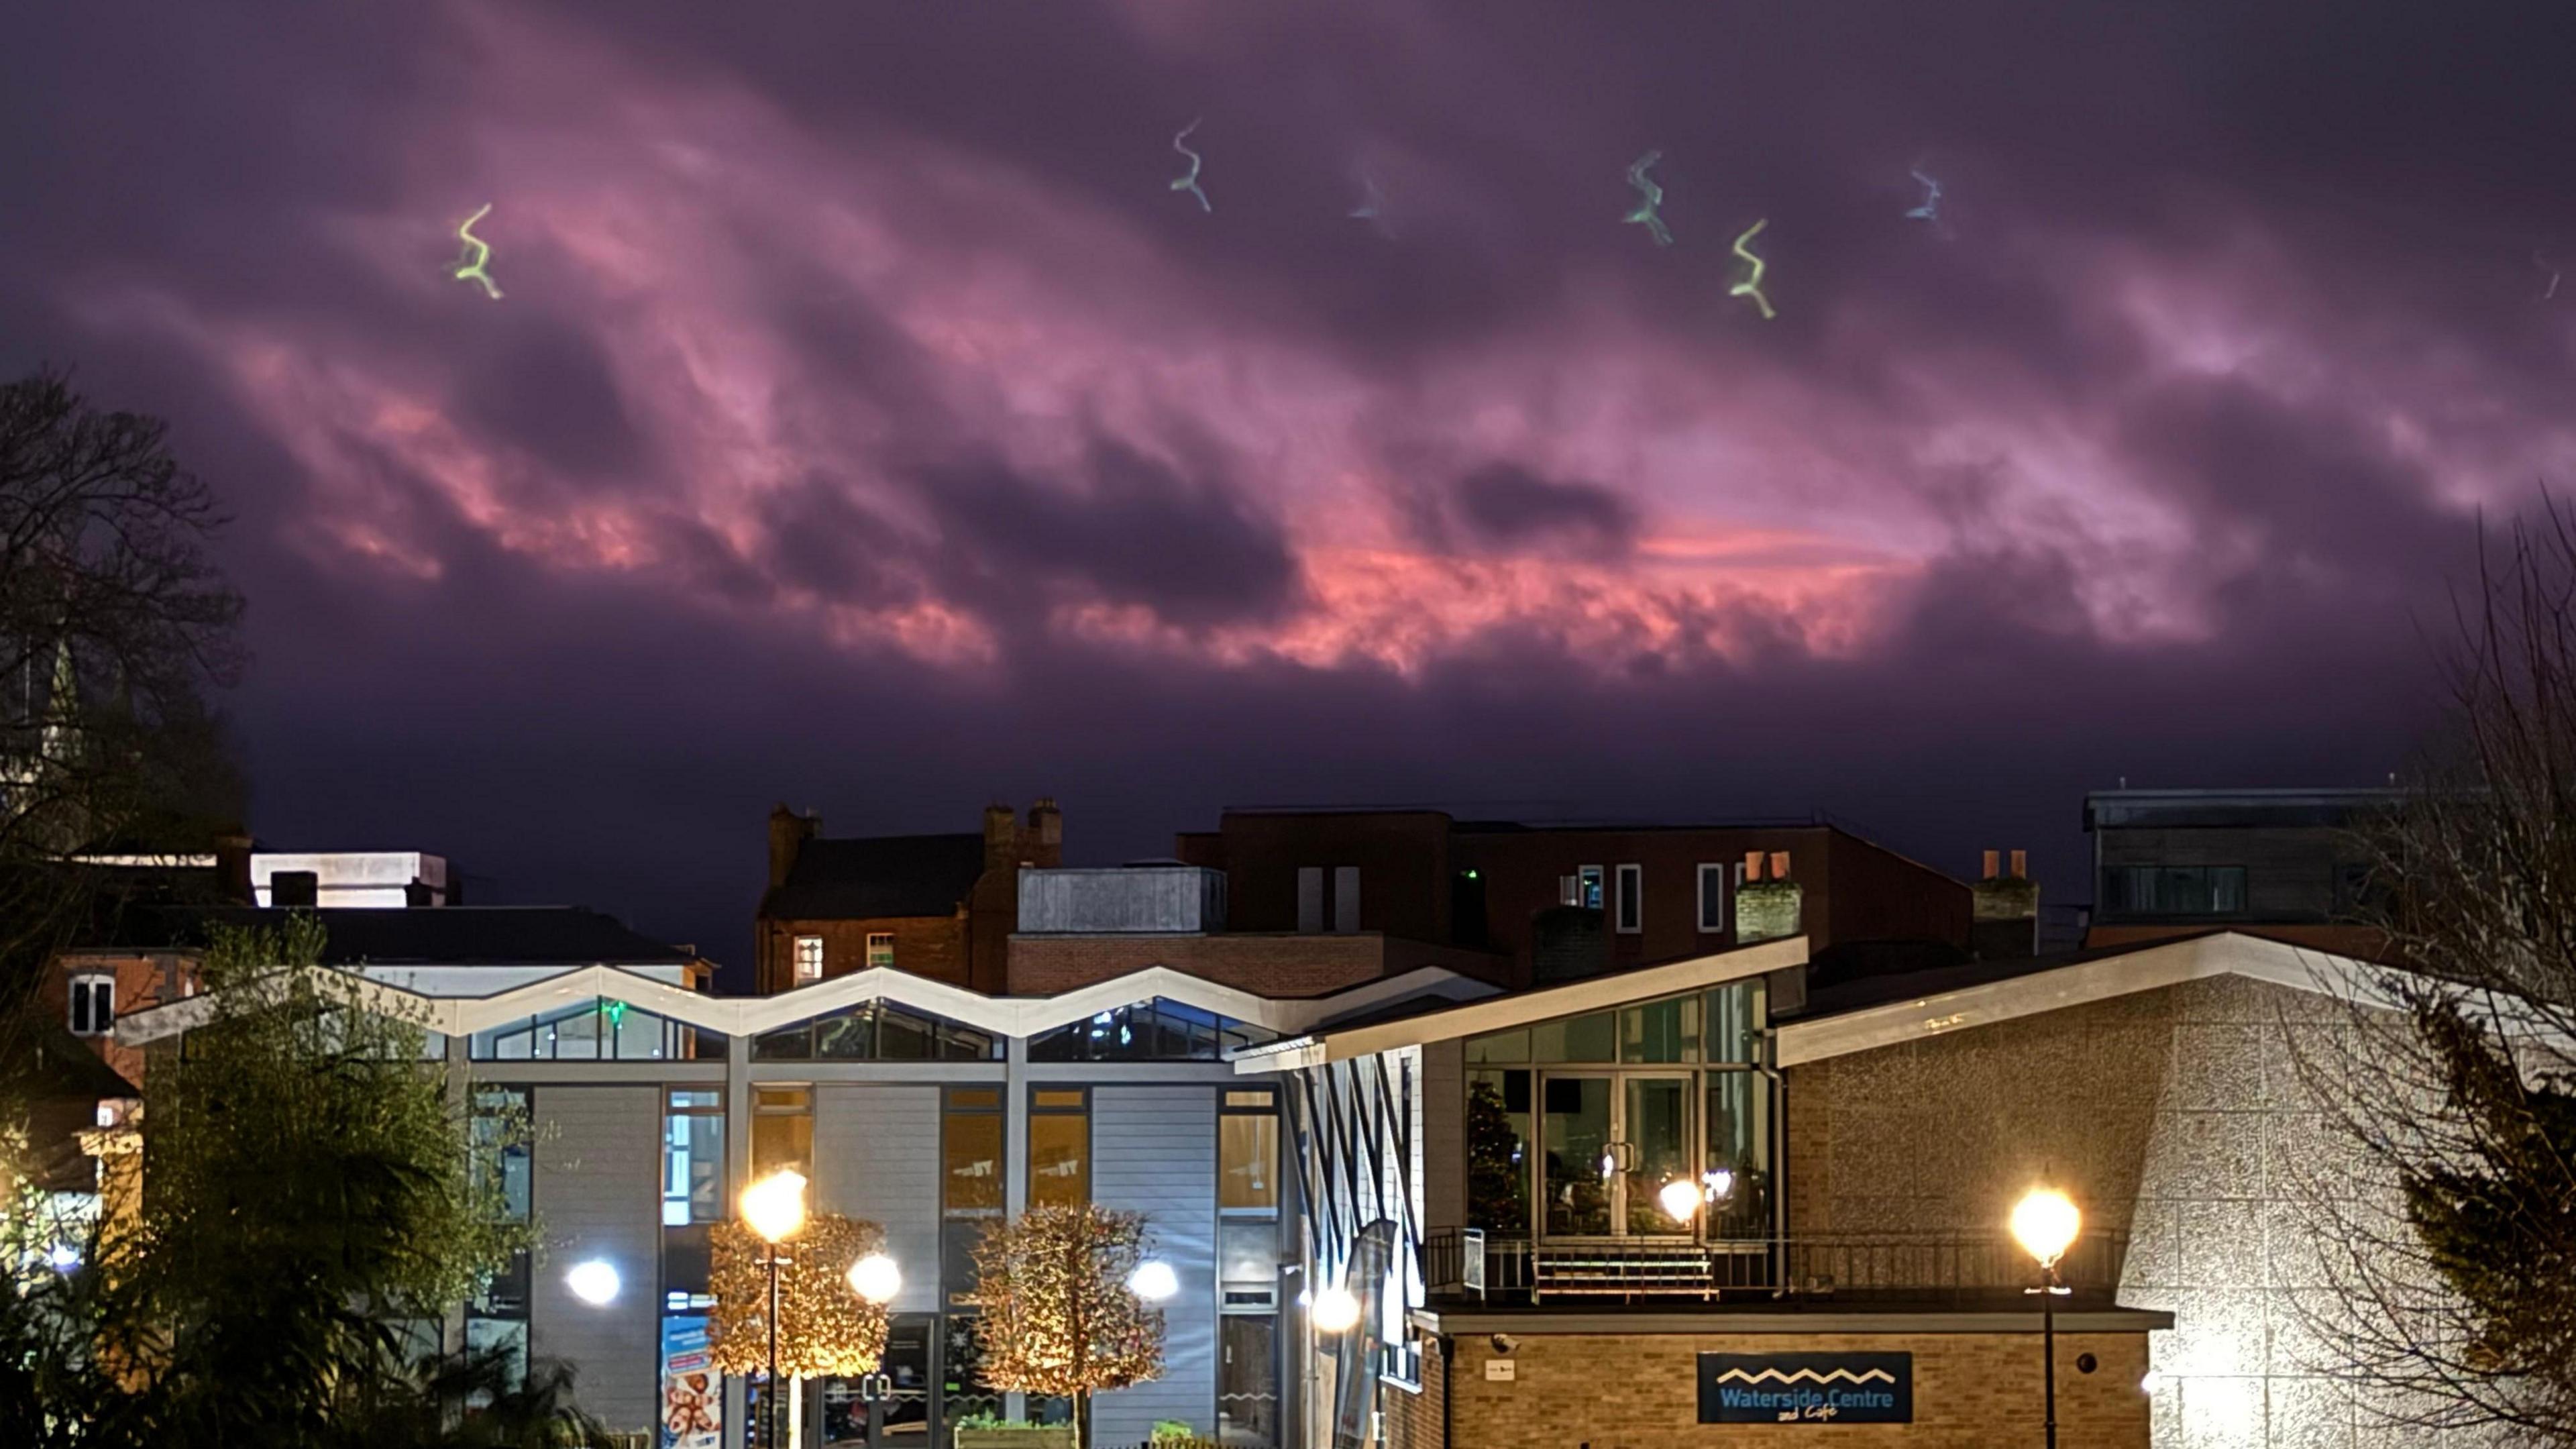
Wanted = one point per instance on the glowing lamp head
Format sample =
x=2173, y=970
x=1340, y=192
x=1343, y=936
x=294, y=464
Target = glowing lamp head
x=2152, y=1382
x=1153, y=1281
x=1720, y=1183
x=876, y=1278
x=1336, y=1310
x=1679, y=1199
x=2045, y=1224
x=1609, y=1165
x=594, y=1282
x=64, y=1257
x=774, y=1207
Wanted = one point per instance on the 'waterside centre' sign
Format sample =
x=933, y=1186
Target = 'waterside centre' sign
x=1806, y=1388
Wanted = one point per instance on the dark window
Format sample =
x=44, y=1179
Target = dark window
x=602, y=1029
x=1247, y=1381
x=93, y=1005
x=291, y=888
x=1632, y=899
x=1712, y=899
x=1498, y=1139
x=1149, y=1031
x=876, y=1031
x=502, y=1130
x=2178, y=890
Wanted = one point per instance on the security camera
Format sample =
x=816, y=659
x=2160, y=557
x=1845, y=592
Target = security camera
x=1505, y=1343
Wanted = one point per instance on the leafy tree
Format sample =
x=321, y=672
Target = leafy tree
x=307, y=1194
x=1058, y=1317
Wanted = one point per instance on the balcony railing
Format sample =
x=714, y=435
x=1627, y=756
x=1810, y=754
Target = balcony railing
x=1955, y=1268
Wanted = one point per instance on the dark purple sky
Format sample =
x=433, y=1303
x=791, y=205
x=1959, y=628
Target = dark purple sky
x=866, y=422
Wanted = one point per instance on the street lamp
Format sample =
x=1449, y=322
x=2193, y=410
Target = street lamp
x=1153, y=1281
x=595, y=1282
x=2045, y=1223
x=876, y=1279
x=1336, y=1310
x=774, y=1208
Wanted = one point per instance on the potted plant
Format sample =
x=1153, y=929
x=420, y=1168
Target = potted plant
x=990, y=1431
x=1175, y=1434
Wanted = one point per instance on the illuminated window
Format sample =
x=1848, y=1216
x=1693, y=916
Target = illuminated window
x=693, y=1127
x=880, y=948
x=1588, y=893
x=501, y=1132
x=1059, y=1146
x=970, y=1151
x=1248, y=1154
x=809, y=958
x=782, y=1130
x=93, y=1005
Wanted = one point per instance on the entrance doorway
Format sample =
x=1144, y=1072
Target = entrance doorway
x=892, y=1408
x=1609, y=1144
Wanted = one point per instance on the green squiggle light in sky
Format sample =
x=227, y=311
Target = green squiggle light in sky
x=1646, y=214
x=1751, y=286
x=469, y=267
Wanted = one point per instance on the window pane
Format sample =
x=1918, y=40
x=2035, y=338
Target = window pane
x=1660, y=1031
x=902, y=1036
x=1632, y=887
x=971, y=1157
x=1739, y=1144
x=787, y=1044
x=1593, y=1038
x=1735, y=1023
x=963, y=1391
x=957, y=1243
x=1247, y=1382
x=1059, y=1158
x=574, y=1037
x=1248, y=1154
x=849, y=1036
x=977, y=1099
x=1060, y=1098
x=1576, y=1126
x=1498, y=1124
x=2226, y=889
x=1712, y=898
x=1502, y=1046
x=693, y=1167
x=782, y=1130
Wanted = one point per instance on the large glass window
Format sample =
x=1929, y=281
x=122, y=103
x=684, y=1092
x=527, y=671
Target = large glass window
x=1059, y=1146
x=1248, y=1153
x=2178, y=890
x=782, y=1130
x=1660, y=1031
x=500, y=1137
x=602, y=1029
x=1498, y=1134
x=1737, y=1168
x=1148, y=1031
x=692, y=1156
x=970, y=1151
x=93, y=1005
x=876, y=1031
x=1593, y=1038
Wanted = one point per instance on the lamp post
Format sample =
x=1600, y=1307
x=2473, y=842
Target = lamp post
x=774, y=1208
x=2045, y=1222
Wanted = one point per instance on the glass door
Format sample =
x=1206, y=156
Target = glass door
x=1610, y=1143
x=888, y=1409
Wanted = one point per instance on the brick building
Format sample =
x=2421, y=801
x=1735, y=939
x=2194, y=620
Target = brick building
x=939, y=906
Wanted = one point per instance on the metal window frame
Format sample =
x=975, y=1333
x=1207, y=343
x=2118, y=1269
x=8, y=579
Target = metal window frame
x=1622, y=922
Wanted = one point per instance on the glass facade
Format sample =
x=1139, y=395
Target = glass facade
x=1159, y=1030
x=782, y=1130
x=876, y=1031
x=601, y=1029
x=1578, y=1128
x=1059, y=1146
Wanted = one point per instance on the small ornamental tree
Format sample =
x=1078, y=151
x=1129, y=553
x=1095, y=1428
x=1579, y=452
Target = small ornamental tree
x=1058, y=1317
x=825, y=1329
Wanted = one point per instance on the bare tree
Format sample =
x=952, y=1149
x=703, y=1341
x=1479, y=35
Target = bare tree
x=115, y=627
x=2446, y=1240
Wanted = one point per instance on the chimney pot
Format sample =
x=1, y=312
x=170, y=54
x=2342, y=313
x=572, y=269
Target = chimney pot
x=1779, y=865
x=2021, y=865
x=1753, y=865
x=1990, y=866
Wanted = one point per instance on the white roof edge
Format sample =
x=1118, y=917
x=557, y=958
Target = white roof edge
x=1016, y=1016
x=2081, y=983
x=1503, y=1012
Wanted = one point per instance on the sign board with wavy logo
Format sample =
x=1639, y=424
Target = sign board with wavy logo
x=1806, y=1388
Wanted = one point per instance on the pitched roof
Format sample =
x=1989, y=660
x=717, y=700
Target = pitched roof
x=877, y=876
x=429, y=936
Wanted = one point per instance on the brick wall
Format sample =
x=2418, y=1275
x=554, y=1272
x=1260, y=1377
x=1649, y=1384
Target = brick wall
x=2175, y=1116
x=142, y=981
x=1641, y=1391
x=932, y=946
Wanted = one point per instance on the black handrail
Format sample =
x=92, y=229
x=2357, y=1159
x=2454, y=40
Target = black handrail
x=1817, y=1265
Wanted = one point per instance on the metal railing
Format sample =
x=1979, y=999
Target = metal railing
x=1954, y=1267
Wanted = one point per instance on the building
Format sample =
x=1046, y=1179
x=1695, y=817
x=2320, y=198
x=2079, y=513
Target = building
x=937, y=906
x=2284, y=864
x=381, y=879
x=1560, y=902
x=922, y=1105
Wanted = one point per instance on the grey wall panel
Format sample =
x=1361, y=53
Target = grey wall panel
x=1153, y=1151
x=876, y=1156
x=598, y=1162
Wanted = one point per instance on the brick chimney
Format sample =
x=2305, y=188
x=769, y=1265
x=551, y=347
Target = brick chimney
x=788, y=832
x=1001, y=838
x=2004, y=917
x=1046, y=834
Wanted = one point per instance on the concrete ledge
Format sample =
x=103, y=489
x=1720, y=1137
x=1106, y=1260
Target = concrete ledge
x=1722, y=1321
